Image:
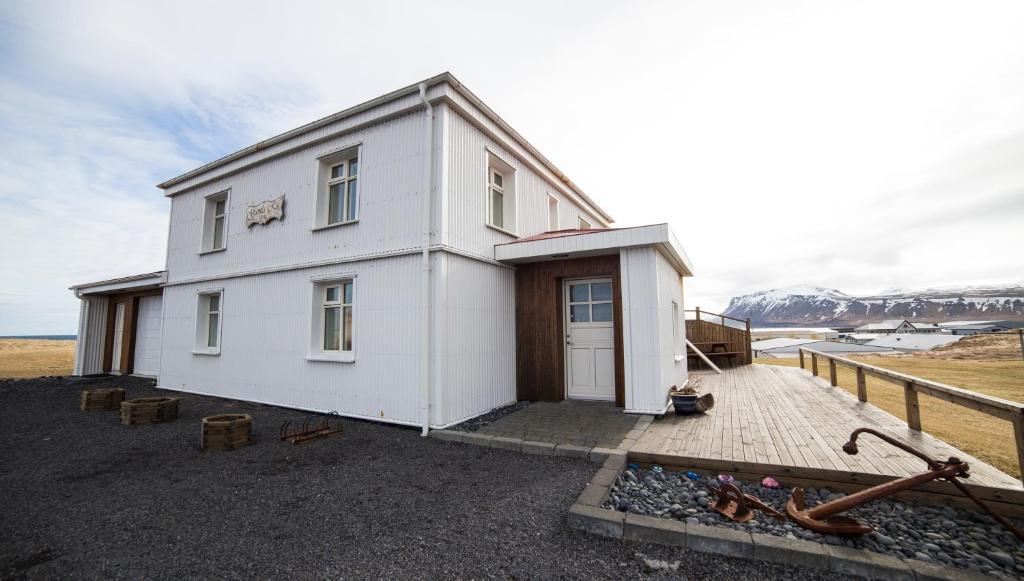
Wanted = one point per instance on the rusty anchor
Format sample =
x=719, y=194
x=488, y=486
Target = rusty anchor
x=825, y=519
x=313, y=427
x=735, y=505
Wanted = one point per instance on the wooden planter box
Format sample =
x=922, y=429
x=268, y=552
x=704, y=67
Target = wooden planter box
x=225, y=431
x=97, y=400
x=149, y=410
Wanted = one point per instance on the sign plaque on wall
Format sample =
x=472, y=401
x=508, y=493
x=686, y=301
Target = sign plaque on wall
x=265, y=211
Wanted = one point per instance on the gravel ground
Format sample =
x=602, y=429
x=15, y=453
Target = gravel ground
x=945, y=535
x=89, y=498
x=492, y=416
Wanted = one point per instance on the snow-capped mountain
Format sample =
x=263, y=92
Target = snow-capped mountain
x=811, y=305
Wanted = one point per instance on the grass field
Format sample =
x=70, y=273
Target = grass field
x=35, y=357
x=989, y=439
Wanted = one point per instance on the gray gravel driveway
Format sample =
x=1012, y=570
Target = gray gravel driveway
x=85, y=497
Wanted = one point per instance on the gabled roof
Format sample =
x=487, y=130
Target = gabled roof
x=884, y=325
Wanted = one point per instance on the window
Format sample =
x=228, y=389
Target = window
x=338, y=188
x=552, y=213
x=590, y=302
x=333, y=320
x=215, y=220
x=337, y=317
x=209, y=321
x=583, y=224
x=343, y=192
x=501, y=194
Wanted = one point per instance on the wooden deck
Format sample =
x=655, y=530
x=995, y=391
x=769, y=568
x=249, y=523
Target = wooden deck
x=783, y=422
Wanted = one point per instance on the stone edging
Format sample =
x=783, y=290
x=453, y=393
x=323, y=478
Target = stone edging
x=549, y=449
x=586, y=514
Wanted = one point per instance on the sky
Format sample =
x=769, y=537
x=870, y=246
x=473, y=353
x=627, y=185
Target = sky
x=851, y=145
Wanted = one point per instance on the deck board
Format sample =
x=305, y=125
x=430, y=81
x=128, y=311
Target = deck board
x=783, y=416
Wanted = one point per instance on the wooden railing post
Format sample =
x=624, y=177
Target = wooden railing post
x=1018, y=438
x=802, y=366
x=814, y=364
x=913, y=407
x=832, y=372
x=862, y=385
x=697, y=310
x=750, y=358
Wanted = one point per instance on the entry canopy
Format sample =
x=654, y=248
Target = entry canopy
x=563, y=244
x=115, y=285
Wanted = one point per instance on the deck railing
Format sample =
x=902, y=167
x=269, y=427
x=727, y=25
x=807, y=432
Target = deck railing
x=704, y=327
x=986, y=404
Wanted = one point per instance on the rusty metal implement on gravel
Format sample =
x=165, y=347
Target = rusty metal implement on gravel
x=313, y=427
x=735, y=505
x=825, y=518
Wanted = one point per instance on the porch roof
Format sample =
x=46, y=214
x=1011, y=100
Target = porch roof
x=113, y=285
x=561, y=244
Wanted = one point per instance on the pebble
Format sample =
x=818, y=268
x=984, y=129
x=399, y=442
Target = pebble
x=945, y=535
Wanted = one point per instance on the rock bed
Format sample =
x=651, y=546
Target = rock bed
x=944, y=535
x=490, y=417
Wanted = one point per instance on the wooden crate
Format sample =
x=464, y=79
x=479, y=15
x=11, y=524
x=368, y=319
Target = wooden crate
x=149, y=410
x=107, y=399
x=225, y=431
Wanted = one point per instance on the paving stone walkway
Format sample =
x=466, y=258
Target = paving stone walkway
x=580, y=423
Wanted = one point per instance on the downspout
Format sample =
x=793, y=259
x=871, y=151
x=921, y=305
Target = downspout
x=428, y=166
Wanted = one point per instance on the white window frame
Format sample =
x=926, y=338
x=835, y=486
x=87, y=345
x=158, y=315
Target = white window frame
x=507, y=188
x=582, y=221
x=203, y=313
x=342, y=157
x=208, y=244
x=552, y=213
x=318, y=319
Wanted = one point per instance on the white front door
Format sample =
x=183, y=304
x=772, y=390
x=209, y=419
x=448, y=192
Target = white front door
x=147, y=337
x=589, y=339
x=115, y=360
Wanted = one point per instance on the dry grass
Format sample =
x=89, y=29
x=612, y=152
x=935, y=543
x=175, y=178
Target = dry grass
x=35, y=357
x=985, y=437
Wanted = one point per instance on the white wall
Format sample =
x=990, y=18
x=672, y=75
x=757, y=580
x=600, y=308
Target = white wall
x=92, y=331
x=474, y=336
x=266, y=337
x=670, y=288
x=390, y=197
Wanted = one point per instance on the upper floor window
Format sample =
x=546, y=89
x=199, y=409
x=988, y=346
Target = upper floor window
x=215, y=218
x=338, y=188
x=584, y=225
x=552, y=213
x=343, y=192
x=501, y=194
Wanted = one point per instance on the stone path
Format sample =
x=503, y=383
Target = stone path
x=579, y=423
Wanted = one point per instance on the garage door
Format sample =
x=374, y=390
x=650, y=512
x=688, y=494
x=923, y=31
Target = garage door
x=147, y=337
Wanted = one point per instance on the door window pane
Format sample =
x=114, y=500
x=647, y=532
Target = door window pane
x=601, y=291
x=579, y=313
x=331, y=327
x=602, y=312
x=579, y=293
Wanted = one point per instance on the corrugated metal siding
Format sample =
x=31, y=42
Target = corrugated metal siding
x=92, y=331
x=641, y=339
x=670, y=288
x=267, y=325
x=390, y=182
x=466, y=190
x=474, y=338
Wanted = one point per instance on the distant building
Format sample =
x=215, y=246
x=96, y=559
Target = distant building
x=887, y=326
x=912, y=341
x=978, y=328
x=783, y=347
x=859, y=338
x=926, y=327
x=794, y=333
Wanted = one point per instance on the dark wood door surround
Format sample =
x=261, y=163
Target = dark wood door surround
x=131, y=307
x=540, y=324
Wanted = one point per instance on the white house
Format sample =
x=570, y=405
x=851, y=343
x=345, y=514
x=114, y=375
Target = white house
x=412, y=260
x=887, y=326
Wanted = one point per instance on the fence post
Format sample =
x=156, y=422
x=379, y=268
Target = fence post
x=913, y=407
x=697, y=310
x=832, y=372
x=1018, y=438
x=801, y=351
x=750, y=358
x=862, y=385
x=814, y=364
x=1020, y=333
